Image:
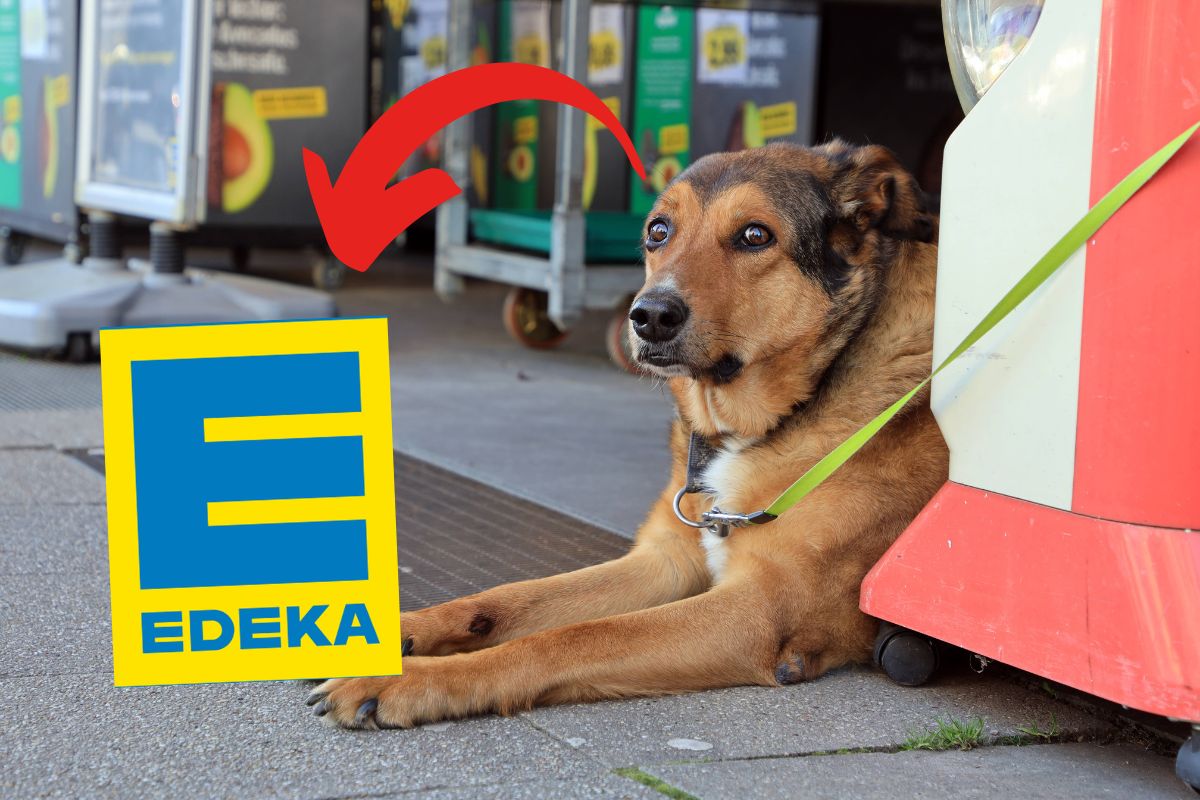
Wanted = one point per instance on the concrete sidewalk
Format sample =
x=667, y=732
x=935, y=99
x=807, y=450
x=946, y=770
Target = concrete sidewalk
x=568, y=431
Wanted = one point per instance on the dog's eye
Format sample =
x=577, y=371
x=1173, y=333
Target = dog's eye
x=756, y=236
x=657, y=232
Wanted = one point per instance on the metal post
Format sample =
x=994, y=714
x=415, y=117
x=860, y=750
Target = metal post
x=452, y=215
x=567, y=230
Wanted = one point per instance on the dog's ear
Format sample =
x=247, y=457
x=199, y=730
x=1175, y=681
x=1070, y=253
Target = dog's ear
x=870, y=189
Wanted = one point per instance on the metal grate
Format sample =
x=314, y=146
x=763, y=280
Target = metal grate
x=38, y=384
x=457, y=536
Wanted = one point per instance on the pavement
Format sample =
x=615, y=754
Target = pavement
x=568, y=431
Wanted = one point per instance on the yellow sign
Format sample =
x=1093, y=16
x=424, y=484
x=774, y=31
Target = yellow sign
x=525, y=129
x=531, y=49
x=12, y=109
x=673, y=139
x=251, y=504
x=778, y=120
x=294, y=102
x=724, y=46
x=614, y=105
x=433, y=52
x=604, y=50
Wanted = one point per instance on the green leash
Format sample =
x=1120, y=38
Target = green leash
x=1035, y=277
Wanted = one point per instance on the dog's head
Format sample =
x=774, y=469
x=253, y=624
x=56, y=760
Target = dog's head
x=761, y=264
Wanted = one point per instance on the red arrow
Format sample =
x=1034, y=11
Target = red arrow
x=361, y=215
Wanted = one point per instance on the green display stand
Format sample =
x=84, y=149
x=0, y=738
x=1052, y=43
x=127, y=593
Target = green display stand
x=612, y=236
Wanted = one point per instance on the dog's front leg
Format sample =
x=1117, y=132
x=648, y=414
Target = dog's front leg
x=727, y=636
x=660, y=569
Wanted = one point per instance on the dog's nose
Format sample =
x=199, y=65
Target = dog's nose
x=658, y=316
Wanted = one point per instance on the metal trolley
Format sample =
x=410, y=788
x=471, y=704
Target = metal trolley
x=550, y=292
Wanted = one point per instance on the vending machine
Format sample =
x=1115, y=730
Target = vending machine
x=1067, y=540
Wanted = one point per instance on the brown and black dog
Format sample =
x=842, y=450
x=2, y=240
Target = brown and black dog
x=788, y=300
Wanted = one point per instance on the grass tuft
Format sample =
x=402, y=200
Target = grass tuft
x=949, y=734
x=657, y=784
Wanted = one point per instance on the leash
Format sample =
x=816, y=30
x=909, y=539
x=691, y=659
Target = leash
x=700, y=452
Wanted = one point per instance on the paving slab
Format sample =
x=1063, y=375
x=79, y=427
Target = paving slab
x=54, y=540
x=39, y=477
x=600, y=787
x=54, y=625
x=63, y=429
x=77, y=736
x=847, y=709
x=1029, y=772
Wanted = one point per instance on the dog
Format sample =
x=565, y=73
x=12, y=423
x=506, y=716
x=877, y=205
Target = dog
x=788, y=300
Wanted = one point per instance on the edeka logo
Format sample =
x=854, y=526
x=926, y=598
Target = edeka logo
x=251, y=507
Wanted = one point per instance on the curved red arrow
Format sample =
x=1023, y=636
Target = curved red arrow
x=361, y=214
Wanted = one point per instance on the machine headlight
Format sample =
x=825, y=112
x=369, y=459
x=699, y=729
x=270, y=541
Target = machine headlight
x=982, y=39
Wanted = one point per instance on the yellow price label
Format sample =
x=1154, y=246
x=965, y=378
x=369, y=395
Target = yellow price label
x=60, y=91
x=525, y=130
x=724, y=47
x=604, y=50
x=433, y=52
x=778, y=120
x=531, y=49
x=12, y=109
x=291, y=103
x=673, y=139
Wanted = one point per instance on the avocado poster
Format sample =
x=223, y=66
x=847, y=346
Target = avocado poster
x=37, y=129
x=756, y=79
x=281, y=83
x=662, y=112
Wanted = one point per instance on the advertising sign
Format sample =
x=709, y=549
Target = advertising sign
x=524, y=37
x=251, y=503
x=663, y=100
x=281, y=83
x=138, y=110
x=756, y=79
x=37, y=122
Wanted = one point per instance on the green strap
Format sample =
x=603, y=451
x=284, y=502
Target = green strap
x=1035, y=277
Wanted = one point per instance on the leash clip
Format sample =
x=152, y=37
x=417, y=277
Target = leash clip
x=716, y=520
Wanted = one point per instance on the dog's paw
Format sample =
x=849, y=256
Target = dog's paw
x=399, y=701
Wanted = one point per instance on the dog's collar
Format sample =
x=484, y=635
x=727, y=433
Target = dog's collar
x=700, y=454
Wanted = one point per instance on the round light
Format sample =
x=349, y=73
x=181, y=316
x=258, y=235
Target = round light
x=982, y=39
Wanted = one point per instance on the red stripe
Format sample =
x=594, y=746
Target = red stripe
x=1137, y=455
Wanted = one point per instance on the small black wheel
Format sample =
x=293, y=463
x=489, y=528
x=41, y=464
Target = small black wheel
x=74, y=252
x=907, y=657
x=527, y=320
x=79, y=348
x=1187, y=763
x=616, y=340
x=328, y=274
x=14, y=247
x=239, y=257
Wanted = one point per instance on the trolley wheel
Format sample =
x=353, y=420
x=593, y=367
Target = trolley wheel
x=907, y=657
x=1187, y=763
x=14, y=246
x=527, y=321
x=74, y=252
x=616, y=340
x=79, y=348
x=328, y=274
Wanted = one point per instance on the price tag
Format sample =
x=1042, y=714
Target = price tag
x=433, y=52
x=722, y=57
x=531, y=49
x=673, y=139
x=778, y=120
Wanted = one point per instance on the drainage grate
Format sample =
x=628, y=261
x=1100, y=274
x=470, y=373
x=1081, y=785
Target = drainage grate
x=457, y=536
x=36, y=384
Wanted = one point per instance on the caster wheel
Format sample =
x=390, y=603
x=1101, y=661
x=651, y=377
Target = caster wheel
x=328, y=273
x=616, y=340
x=1187, y=763
x=14, y=248
x=79, y=348
x=74, y=252
x=239, y=258
x=526, y=320
x=907, y=657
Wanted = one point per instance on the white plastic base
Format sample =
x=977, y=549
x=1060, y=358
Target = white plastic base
x=42, y=304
